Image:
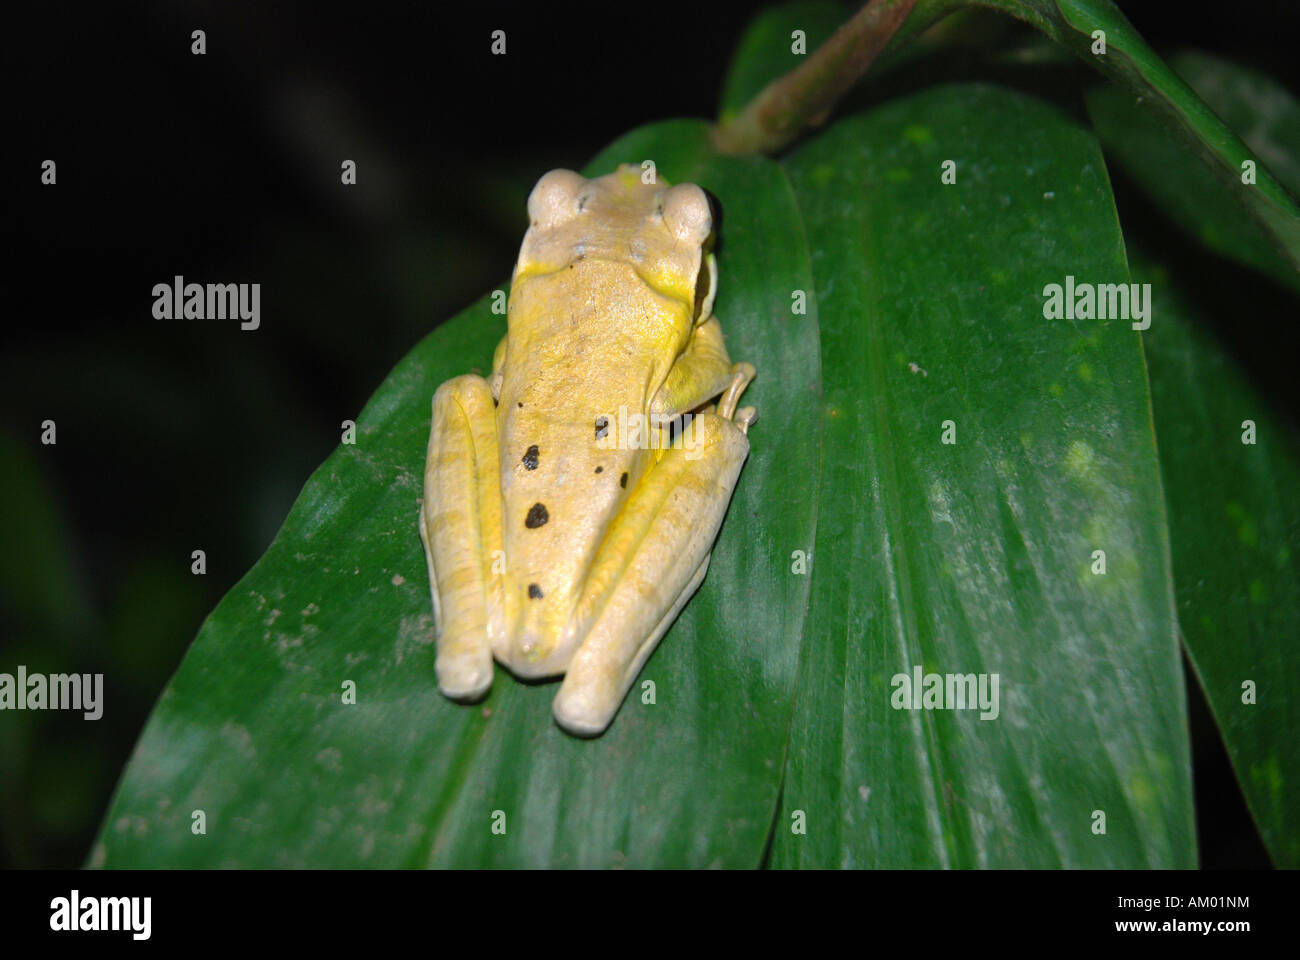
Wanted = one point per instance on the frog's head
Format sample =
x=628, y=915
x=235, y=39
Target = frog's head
x=664, y=233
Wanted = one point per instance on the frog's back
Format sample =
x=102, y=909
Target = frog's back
x=601, y=305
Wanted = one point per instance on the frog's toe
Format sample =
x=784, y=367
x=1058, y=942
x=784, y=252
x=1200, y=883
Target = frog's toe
x=581, y=717
x=466, y=677
x=745, y=418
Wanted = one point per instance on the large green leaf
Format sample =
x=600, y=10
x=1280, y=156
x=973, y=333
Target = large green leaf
x=252, y=730
x=1235, y=525
x=977, y=557
x=1269, y=119
x=965, y=558
x=1165, y=96
x=1234, y=519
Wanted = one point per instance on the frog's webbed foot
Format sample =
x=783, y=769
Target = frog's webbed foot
x=652, y=560
x=460, y=526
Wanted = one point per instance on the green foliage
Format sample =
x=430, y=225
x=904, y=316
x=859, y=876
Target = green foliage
x=774, y=736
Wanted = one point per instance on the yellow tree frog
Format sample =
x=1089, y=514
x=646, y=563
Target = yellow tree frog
x=569, y=506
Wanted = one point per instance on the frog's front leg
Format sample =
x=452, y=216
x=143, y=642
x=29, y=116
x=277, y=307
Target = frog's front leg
x=702, y=372
x=460, y=526
x=653, y=558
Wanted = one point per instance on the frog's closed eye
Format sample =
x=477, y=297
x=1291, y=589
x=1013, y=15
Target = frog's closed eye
x=553, y=198
x=686, y=212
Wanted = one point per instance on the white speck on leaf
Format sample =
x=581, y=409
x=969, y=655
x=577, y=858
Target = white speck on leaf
x=239, y=737
x=413, y=632
x=283, y=642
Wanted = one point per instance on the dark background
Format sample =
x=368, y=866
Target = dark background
x=183, y=435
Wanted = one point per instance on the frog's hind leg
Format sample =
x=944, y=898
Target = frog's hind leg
x=593, y=691
x=460, y=526
x=653, y=558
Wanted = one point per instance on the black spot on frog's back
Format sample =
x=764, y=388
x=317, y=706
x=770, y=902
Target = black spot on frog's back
x=622, y=481
x=537, y=516
x=534, y=591
x=530, y=458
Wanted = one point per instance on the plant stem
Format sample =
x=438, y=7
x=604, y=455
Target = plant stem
x=804, y=96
